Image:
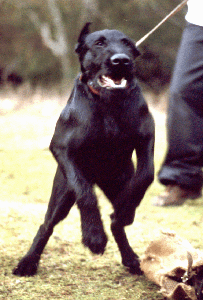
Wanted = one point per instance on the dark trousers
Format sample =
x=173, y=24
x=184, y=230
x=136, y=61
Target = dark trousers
x=184, y=159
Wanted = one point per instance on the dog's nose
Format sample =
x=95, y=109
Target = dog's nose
x=120, y=59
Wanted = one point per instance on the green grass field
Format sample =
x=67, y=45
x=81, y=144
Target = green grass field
x=68, y=270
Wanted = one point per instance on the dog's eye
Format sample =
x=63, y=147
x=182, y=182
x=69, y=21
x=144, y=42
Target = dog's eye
x=127, y=43
x=99, y=43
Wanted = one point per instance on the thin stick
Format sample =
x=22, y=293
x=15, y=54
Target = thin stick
x=172, y=13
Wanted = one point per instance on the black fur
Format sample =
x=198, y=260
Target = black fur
x=93, y=143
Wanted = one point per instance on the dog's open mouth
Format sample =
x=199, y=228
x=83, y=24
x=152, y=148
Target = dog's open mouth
x=110, y=83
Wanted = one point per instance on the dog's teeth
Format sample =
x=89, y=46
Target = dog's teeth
x=123, y=82
x=109, y=83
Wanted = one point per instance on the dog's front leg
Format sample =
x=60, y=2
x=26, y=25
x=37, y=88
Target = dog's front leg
x=93, y=235
x=134, y=190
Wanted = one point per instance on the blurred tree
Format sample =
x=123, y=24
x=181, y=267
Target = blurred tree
x=138, y=17
x=37, y=38
x=56, y=42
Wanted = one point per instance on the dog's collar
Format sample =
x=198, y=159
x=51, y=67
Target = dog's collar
x=92, y=89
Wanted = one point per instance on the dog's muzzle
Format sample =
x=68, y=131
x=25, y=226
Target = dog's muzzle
x=119, y=62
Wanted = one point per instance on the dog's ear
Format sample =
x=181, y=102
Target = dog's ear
x=84, y=32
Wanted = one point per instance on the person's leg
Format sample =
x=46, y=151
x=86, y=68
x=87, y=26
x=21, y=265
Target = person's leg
x=181, y=171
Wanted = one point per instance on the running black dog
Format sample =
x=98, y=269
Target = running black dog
x=105, y=119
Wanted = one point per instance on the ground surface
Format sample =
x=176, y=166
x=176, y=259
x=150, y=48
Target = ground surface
x=68, y=270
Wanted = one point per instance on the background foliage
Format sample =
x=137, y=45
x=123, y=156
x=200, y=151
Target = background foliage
x=23, y=51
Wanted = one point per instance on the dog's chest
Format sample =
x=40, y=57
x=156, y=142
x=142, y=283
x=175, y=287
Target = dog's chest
x=110, y=127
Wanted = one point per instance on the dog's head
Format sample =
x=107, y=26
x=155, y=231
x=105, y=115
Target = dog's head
x=107, y=58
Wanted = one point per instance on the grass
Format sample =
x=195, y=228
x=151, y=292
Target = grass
x=68, y=270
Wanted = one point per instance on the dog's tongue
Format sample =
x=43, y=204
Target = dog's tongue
x=107, y=82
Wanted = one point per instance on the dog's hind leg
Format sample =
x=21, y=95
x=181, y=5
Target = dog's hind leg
x=60, y=204
x=112, y=190
x=129, y=258
x=128, y=198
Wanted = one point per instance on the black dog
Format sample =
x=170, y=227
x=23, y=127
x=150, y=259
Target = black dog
x=105, y=119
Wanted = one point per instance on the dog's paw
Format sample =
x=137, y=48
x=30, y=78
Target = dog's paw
x=26, y=267
x=133, y=265
x=95, y=240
